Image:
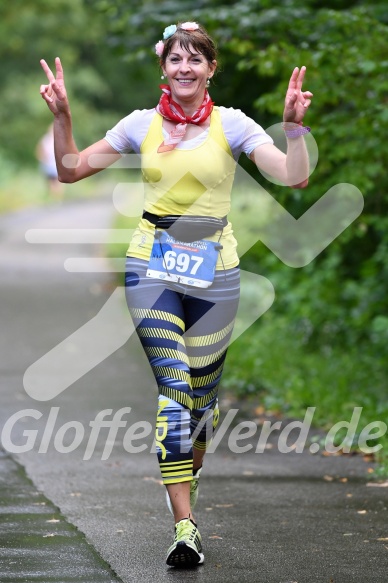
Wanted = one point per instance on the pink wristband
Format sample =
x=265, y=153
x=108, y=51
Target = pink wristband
x=297, y=132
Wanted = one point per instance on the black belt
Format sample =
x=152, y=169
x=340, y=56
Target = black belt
x=187, y=227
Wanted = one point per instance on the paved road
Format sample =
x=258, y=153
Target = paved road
x=264, y=517
x=36, y=541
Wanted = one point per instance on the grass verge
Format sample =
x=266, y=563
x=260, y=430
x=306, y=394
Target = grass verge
x=28, y=188
x=272, y=366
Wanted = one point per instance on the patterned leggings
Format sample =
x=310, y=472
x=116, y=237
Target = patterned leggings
x=185, y=333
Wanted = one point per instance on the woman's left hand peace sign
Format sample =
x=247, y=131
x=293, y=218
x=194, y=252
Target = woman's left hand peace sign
x=297, y=101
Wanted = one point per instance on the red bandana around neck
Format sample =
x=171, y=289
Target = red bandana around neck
x=170, y=110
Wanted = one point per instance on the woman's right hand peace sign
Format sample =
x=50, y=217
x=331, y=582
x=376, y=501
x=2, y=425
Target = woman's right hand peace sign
x=54, y=93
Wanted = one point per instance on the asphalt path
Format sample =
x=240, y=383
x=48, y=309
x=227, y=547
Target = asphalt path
x=266, y=517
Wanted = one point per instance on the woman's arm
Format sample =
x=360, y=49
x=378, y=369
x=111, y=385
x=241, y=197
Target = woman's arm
x=72, y=165
x=292, y=168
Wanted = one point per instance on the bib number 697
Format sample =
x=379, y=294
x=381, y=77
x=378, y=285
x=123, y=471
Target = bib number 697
x=181, y=262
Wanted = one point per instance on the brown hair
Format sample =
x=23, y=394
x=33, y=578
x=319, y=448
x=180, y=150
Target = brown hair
x=198, y=39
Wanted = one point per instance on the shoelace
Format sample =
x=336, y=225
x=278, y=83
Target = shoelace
x=185, y=529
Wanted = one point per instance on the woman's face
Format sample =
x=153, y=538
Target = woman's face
x=187, y=74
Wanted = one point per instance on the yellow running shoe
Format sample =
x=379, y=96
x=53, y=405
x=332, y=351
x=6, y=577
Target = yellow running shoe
x=186, y=550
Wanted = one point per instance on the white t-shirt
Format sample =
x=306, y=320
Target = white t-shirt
x=242, y=133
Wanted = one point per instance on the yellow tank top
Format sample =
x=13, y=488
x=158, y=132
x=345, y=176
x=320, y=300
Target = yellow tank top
x=196, y=181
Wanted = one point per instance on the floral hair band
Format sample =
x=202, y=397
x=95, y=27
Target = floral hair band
x=170, y=30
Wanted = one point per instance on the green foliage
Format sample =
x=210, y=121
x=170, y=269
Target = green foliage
x=343, y=294
x=99, y=87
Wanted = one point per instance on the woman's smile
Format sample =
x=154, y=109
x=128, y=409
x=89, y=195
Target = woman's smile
x=185, y=82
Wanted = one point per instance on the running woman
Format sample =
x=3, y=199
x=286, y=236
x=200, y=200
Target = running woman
x=182, y=274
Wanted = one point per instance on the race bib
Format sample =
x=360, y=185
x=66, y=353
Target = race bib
x=188, y=263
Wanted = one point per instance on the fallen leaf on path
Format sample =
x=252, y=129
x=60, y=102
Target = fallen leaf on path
x=368, y=457
x=248, y=473
x=328, y=478
x=343, y=480
x=378, y=484
x=362, y=511
x=259, y=410
x=53, y=520
x=383, y=539
x=215, y=536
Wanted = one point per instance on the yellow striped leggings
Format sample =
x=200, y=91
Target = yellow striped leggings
x=185, y=333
